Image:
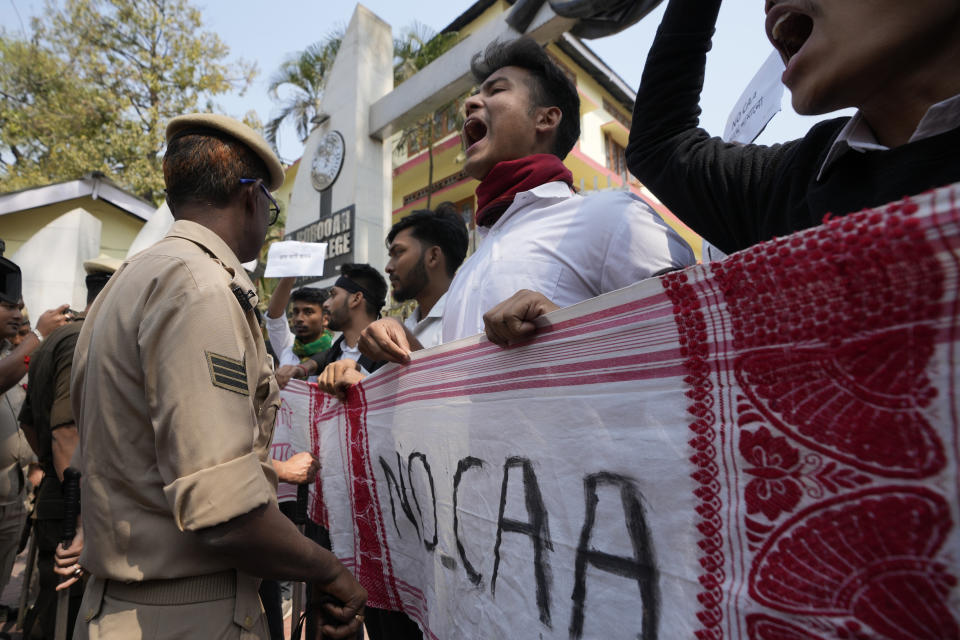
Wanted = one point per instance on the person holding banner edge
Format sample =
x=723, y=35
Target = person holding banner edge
x=355, y=301
x=426, y=248
x=900, y=72
x=895, y=62
x=310, y=335
x=171, y=377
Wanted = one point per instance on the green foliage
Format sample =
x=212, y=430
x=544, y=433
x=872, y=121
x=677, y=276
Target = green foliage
x=417, y=47
x=305, y=75
x=95, y=87
x=49, y=120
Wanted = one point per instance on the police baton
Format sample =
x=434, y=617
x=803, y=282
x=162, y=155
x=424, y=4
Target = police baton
x=300, y=520
x=71, y=509
x=27, y=574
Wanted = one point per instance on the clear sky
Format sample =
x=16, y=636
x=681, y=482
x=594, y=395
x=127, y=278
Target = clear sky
x=266, y=33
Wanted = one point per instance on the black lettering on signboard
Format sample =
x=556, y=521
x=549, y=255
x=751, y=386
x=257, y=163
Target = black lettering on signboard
x=462, y=467
x=536, y=527
x=416, y=455
x=401, y=491
x=641, y=566
x=333, y=227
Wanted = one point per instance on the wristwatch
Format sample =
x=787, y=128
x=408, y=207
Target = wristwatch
x=37, y=333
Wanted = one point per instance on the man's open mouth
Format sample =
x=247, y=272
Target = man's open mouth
x=788, y=31
x=474, y=130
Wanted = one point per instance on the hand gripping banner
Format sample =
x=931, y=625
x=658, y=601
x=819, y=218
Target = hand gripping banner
x=762, y=448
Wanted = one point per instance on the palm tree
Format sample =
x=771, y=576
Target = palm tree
x=306, y=72
x=417, y=47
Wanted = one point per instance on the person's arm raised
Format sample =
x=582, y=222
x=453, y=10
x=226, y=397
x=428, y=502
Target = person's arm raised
x=280, y=298
x=14, y=366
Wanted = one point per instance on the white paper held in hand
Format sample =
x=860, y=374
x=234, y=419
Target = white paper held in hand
x=292, y=259
x=757, y=105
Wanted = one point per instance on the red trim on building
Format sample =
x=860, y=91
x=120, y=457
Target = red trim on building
x=418, y=201
x=422, y=157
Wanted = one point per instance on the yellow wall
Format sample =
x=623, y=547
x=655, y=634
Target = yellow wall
x=491, y=12
x=118, y=231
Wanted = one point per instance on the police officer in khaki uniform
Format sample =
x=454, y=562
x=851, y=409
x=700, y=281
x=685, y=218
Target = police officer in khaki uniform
x=175, y=399
x=47, y=420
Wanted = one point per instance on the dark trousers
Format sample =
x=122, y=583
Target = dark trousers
x=41, y=620
x=383, y=624
x=272, y=607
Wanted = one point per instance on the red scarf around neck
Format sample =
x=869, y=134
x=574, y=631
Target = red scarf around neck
x=510, y=177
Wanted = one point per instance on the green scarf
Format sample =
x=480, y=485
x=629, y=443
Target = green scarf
x=304, y=351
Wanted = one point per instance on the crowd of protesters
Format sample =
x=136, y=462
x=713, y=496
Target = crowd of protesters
x=165, y=395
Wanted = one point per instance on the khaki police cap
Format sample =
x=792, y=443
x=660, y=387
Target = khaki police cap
x=235, y=129
x=102, y=264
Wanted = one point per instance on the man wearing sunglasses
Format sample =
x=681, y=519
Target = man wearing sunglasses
x=175, y=401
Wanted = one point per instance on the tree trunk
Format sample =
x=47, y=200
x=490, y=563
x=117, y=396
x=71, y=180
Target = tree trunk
x=430, y=163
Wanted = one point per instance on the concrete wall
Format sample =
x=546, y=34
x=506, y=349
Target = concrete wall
x=119, y=228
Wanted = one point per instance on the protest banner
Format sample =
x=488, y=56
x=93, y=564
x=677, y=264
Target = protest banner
x=289, y=258
x=291, y=431
x=761, y=448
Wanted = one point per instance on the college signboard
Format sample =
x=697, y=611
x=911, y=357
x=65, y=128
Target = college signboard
x=336, y=229
x=760, y=448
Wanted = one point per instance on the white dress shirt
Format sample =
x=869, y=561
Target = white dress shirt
x=429, y=330
x=281, y=339
x=566, y=246
x=353, y=353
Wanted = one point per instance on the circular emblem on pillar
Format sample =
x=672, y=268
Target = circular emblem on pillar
x=327, y=161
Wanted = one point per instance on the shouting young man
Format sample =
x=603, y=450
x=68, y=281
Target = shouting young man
x=537, y=233
x=895, y=61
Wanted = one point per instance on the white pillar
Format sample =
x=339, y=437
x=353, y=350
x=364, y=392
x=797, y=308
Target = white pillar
x=361, y=75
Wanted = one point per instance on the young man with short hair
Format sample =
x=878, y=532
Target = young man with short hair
x=355, y=301
x=895, y=61
x=537, y=233
x=310, y=335
x=426, y=248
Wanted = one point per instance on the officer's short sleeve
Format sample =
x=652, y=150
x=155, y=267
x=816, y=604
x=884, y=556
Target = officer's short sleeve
x=200, y=368
x=26, y=412
x=61, y=411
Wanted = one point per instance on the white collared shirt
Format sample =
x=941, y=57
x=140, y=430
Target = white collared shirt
x=856, y=135
x=567, y=247
x=429, y=330
x=353, y=353
x=281, y=339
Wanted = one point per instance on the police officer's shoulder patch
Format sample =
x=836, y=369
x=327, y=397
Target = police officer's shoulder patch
x=228, y=373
